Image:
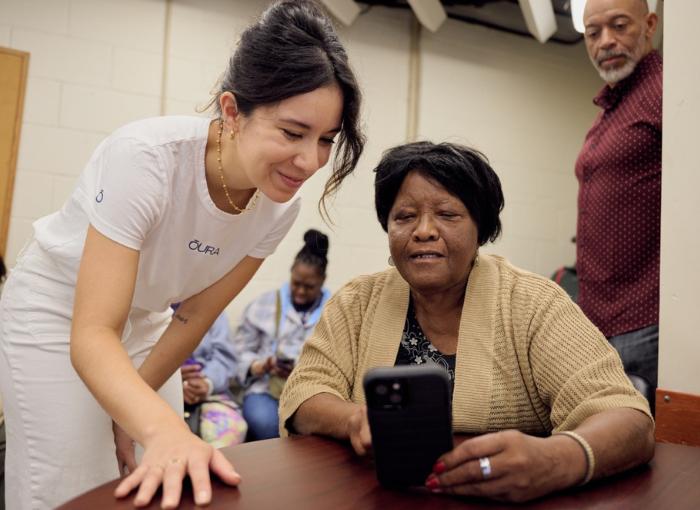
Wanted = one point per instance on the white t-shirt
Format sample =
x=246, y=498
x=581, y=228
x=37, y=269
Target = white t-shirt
x=145, y=188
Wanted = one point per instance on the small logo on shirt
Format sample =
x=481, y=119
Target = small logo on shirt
x=207, y=249
x=100, y=196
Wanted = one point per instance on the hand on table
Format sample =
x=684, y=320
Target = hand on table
x=169, y=456
x=522, y=467
x=358, y=431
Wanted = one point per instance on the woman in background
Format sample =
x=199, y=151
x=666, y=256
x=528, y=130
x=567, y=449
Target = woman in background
x=89, y=356
x=272, y=332
x=210, y=410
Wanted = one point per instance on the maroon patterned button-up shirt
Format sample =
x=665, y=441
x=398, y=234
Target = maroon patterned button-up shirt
x=619, y=204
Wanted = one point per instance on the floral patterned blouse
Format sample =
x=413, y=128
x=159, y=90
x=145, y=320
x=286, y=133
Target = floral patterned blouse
x=416, y=349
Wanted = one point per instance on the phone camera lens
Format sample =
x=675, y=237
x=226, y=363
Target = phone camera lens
x=381, y=389
x=395, y=398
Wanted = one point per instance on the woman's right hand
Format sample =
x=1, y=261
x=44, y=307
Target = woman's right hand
x=358, y=431
x=168, y=457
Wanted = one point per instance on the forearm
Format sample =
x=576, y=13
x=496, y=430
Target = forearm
x=324, y=414
x=620, y=438
x=179, y=340
x=191, y=321
x=100, y=360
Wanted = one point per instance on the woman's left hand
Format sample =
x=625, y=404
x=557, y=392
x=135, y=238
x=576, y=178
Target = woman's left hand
x=507, y=466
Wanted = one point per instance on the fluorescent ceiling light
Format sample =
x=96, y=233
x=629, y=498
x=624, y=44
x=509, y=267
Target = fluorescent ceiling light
x=345, y=10
x=430, y=13
x=539, y=18
x=577, y=7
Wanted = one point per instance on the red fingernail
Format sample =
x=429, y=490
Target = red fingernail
x=432, y=482
x=439, y=467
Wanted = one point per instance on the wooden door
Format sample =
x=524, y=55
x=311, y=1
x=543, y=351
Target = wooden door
x=13, y=80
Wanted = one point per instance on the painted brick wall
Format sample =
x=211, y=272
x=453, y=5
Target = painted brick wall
x=96, y=64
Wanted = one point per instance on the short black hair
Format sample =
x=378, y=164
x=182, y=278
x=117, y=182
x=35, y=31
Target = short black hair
x=315, y=251
x=462, y=171
x=293, y=49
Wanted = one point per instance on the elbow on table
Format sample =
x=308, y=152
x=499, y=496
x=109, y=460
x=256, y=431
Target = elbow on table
x=649, y=442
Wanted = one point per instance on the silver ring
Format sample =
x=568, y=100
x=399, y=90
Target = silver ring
x=485, y=465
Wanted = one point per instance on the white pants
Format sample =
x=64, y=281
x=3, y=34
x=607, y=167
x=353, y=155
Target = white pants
x=59, y=440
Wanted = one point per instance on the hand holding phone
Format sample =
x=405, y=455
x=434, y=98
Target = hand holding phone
x=283, y=362
x=283, y=366
x=410, y=420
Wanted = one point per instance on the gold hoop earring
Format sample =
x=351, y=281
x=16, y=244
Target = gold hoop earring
x=232, y=135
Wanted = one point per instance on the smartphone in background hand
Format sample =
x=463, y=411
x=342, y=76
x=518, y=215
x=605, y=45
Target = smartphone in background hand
x=284, y=363
x=410, y=418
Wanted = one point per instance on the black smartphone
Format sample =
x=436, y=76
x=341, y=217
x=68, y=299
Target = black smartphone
x=284, y=363
x=410, y=418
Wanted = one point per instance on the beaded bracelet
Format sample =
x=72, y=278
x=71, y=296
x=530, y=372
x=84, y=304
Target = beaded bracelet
x=590, y=457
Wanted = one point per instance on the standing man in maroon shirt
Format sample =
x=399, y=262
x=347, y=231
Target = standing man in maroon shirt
x=619, y=175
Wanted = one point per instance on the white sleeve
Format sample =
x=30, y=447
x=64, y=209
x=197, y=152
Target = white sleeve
x=269, y=244
x=128, y=191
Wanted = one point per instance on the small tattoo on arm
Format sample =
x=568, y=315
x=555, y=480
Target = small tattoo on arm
x=180, y=318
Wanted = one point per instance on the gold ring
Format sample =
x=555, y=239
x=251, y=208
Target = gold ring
x=175, y=460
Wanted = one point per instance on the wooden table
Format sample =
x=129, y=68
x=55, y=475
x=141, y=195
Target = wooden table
x=312, y=473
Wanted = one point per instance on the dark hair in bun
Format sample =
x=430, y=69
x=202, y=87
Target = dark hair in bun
x=315, y=250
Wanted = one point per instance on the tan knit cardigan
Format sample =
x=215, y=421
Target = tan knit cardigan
x=527, y=357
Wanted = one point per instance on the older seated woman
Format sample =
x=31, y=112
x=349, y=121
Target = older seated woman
x=529, y=371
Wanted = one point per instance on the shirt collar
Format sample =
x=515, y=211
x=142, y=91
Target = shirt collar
x=609, y=97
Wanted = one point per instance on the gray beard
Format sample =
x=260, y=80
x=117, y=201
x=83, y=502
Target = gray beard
x=612, y=76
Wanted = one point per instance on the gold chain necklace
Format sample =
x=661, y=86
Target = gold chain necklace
x=251, y=202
